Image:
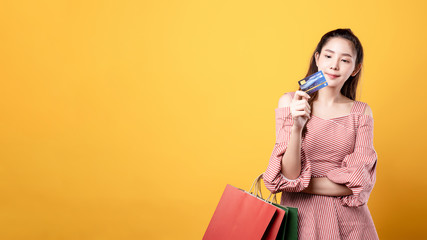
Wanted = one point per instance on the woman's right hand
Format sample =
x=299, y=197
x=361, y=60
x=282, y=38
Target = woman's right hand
x=300, y=109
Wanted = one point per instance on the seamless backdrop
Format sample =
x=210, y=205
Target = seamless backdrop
x=126, y=119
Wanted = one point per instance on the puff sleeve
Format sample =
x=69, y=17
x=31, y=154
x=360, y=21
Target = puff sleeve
x=274, y=180
x=358, y=169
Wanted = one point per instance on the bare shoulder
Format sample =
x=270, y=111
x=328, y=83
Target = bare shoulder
x=285, y=100
x=368, y=111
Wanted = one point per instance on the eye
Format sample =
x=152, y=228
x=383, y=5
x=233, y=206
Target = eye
x=327, y=56
x=346, y=61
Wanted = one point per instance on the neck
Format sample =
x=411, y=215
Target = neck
x=329, y=96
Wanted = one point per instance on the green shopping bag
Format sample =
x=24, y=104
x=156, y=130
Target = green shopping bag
x=289, y=227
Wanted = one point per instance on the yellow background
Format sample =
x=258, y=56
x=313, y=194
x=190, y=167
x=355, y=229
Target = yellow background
x=126, y=119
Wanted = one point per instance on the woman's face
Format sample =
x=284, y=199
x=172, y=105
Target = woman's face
x=337, y=60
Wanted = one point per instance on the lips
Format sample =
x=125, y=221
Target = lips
x=332, y=76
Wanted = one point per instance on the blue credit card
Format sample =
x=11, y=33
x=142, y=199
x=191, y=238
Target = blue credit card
x=313, y=82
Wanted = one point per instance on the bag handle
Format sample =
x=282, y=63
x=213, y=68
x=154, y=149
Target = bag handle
x=274, y=198
x=257, y=190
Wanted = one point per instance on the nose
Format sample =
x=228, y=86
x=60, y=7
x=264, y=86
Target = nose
x=334, y=64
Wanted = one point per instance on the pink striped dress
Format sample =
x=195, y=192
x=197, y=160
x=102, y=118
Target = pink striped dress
x=340, y=149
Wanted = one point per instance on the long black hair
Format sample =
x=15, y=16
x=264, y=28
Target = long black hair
x=350, y=86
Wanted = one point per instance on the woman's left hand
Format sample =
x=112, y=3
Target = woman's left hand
x=324, y=186
x=309, y=189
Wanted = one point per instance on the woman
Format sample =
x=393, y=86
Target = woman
x=324, y=161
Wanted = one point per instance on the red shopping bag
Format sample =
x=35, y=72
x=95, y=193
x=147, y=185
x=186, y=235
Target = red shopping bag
x=241, y=215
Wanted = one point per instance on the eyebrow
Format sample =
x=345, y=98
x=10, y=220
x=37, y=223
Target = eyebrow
x=345, y=54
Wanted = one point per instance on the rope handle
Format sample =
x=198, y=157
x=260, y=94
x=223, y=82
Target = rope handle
x=257, y=190
x=257, y=185
x=274, y=198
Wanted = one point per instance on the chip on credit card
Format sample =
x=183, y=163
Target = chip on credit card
x=313, y=82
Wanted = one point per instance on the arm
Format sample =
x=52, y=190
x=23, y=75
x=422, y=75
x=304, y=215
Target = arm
x=274, y=179
x=358, y=169
x=291, y=160
x=324, y=186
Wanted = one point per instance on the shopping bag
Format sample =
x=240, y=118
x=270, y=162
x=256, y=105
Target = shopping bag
x=244, y=215
x=289, y=227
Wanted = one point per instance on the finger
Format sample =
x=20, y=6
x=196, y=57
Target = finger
x=296, y=96
x=297, y=114
x=301, y=114
x=308, y=105
x=300, y=105
x=301, y=95
x=304, y=114
x=301, y=102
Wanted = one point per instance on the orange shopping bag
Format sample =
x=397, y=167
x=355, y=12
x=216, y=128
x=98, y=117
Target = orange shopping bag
x=244, y=215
